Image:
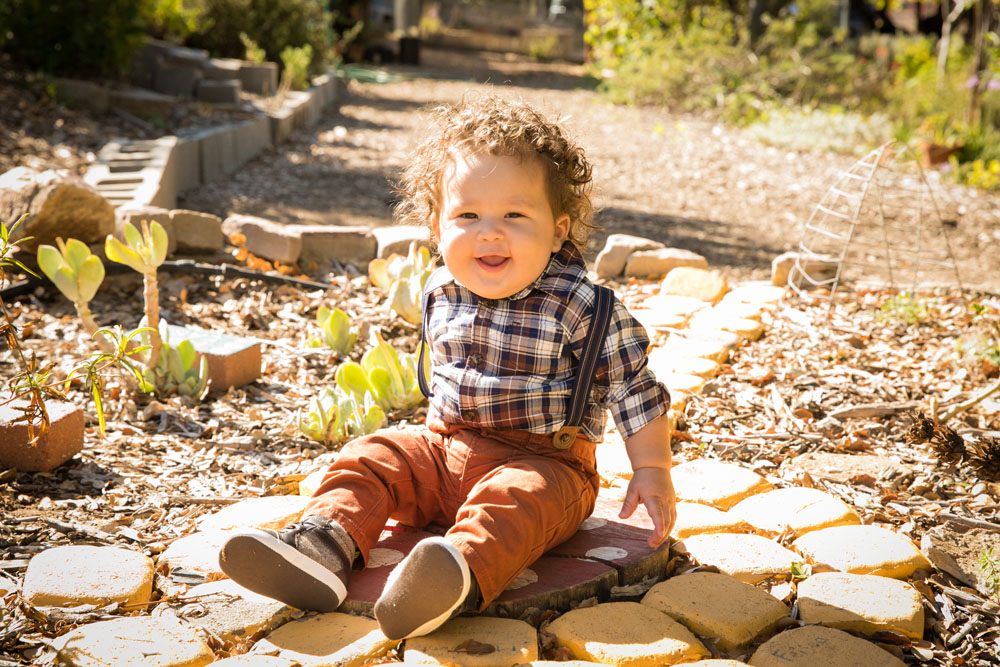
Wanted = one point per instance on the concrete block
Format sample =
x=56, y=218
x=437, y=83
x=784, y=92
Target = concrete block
x=659, y=262
x=137, y=173
x=174, y=79
x=197, y=232
x=814, y=645
x=694, y=282
x=221, y=69
x=397, y=239
x=698, y=519
x=233, y=361
x=797, y=509
x=75, y=575
x=186, y=57
x=259, y=78
x=217, y=149
x=134, y=640
x=863, y=550
x=142, y=103
x=252, y=138
x=347, y=245
x=63, y=440
x=219, y=91
x=270, y=512
x=266, y=239
x=197, y=553
x=863, y=603
x=144, y=61
x=79, y=94
x=282, y=124
x=514, y=642
x=328, y=639
x=749, y=558
x=186, y=159
x=716, y=483
x=134, y=215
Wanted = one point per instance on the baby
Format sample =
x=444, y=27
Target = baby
x=506, y=460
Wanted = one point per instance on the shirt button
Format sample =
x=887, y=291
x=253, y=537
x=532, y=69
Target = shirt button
x=488, y=303
x=469, y=415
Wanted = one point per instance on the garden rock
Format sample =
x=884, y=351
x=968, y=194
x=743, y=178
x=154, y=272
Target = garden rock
x=717, y=319
x=756, y=293
x=626, y=633
x=57, y=204
x=135, y=641
x=716, y=483
x=816, y=645
x=701, y=284
x=611, y=261
x=698, y=519
x=347, y=245
x=863, y=550
x=476, y=642
x=396, y=239
x=268, y=512
x=227, y=611
x=143, y=103
x=659, y=262
x=197, y=232
x=62, y=442
x=197, y=553
x=256, y=661
x=716, y=605
x=843, y=468
x=274, y=242
x=749, y=558
x=334, y=639
x=797, y=509
x=715, y=345
x=705, y=368
x=957, y=551
x=863, y=603
x=73, y=576
x=816, y=268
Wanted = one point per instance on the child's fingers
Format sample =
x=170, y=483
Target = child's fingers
x=654, y=507
x=630, y=503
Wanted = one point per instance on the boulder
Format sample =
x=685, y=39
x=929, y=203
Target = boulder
x=659, y=262
x=56, y=203
x=612, y=259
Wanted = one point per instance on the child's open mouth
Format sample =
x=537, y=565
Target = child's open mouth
x=492, y=262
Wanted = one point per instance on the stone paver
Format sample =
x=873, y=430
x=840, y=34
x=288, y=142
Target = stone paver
x=675, y=304
x=717, y=605
x=267, y=512
x=312, y=481
x=749, y=558
x=698, y=283
x=197, y=553
x=255, y=661
x=610, y=262
x=63, y=441
x=134, y=641
x=327, y=640
x=559, y=663
x=227, y=610
x=705, y=368
x=711, y=347
x=755, y=293
x=862, y=603
x=743, y=327
x=717, y=663
x=476, y=642
x=698, y=519
x=815, y=645
x=659, y=262
x=716, y=483
x=798, y=509
x=863, y=550
x=626, y=633
x=75, y=575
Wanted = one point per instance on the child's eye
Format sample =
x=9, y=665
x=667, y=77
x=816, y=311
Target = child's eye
x=467, y=216
x=515, y=214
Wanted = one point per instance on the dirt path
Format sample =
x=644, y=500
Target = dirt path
x=683, y=181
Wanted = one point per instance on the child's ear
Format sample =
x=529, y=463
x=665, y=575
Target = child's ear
x=562, y=232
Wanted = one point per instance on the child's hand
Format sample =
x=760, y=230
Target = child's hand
x=653, y=488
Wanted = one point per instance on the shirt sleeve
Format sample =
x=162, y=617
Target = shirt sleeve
x=634, y=397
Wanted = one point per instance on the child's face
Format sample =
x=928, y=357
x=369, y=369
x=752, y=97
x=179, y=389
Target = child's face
x=496, y=230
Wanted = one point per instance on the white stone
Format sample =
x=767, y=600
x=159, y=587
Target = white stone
x=716, y=483
x=611, y=261
x=134, y=641
x=659, y=262
x=749, y=558
x=272, y=512
x=75, y=575
x=797, y=509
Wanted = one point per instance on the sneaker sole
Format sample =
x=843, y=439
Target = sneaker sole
x=265, y=565
x=400, y=571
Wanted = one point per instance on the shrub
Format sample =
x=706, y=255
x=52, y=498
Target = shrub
x=95, y=37
x=271, y=24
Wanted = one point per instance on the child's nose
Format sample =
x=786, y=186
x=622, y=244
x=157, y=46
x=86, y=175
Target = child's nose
x=490, y=229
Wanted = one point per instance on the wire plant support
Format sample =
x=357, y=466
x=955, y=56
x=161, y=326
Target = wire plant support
x=889, y=226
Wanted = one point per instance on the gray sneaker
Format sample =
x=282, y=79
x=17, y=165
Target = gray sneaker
x=305, y=565
x=432, y=584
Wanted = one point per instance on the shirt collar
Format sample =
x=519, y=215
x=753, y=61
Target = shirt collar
x=560, y=277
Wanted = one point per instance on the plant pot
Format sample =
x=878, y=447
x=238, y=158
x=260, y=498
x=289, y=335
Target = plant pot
x=934, y=154
x=61, y=442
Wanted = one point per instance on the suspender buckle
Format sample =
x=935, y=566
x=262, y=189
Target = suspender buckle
x=565, y=437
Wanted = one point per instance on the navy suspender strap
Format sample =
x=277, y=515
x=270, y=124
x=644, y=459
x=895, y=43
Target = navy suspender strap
x=438, y=277
x=600, y=319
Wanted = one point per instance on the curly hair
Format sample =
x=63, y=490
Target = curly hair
x=500, y=127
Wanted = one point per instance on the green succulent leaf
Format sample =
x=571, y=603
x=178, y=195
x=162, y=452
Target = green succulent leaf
x=352, y=379
x=89, y=277
x=116, y=251
x=77, y=253
x=158, y=244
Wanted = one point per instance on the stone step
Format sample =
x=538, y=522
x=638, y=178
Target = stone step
x=863, y=550
x=815, y=645
x=863, y=603
x=475, y=642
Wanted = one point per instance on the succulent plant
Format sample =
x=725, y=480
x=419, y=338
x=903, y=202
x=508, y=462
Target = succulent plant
x=389, y=377
x=336, y=329
x=77, y=273
x=179, y=369
x=335, y=415
x=403, y=278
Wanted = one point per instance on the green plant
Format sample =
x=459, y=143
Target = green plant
x=77, y=273
x=389, y=378
x=179, y=369
x=800, y=570
x=171, y=19
x=978, y=349
x=403, y=278
x=904, y=308
x=337, y=332
x=542, y=48
x=335, y=415
x=990, y=565
x=296, y=66
x=254, y=53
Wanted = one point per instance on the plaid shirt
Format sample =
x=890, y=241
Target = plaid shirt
x=511, y=363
